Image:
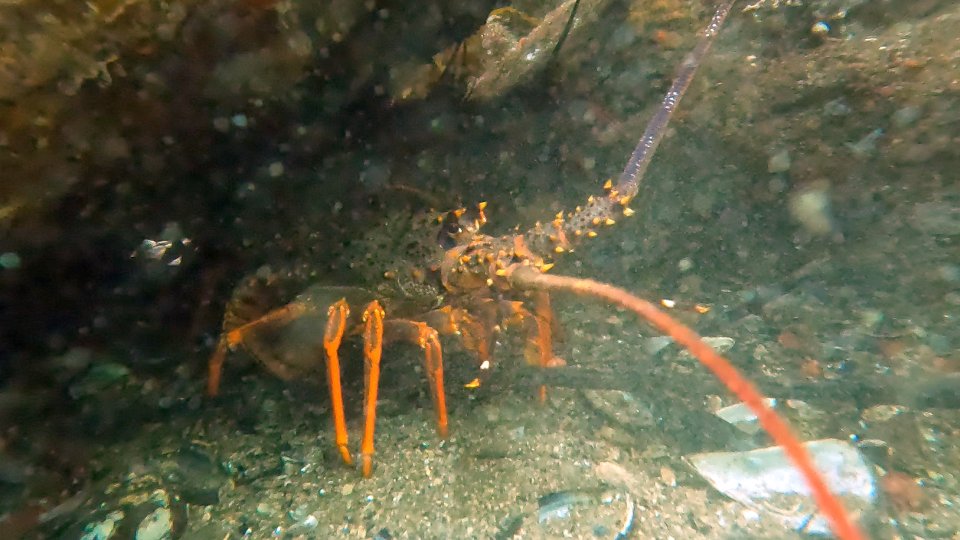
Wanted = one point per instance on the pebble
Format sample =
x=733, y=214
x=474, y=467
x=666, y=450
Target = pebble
x=881, y=413
x=949, y=272
x=615, y=475
x=156, y=526
x=103, y=529
x=654, y=345
x=265, y=509
x=906, y=116
x=820, y=28
x=275, y=169
x=668, y=477
x=99, y=378
x=936, y=218
x=810, y=206
x=10, y=261
x=867, y=145
x=621, y=407
x=779, y=162
x=721, y=344
x=837, y=107
x=221, y=124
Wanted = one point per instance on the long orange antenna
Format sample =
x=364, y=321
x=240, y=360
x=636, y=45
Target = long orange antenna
x=523, y=276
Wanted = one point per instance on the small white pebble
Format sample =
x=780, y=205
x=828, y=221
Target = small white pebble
x=275, y=169
x=810, y=206
x=779, y=162
x=10, y=261
x=668, y=477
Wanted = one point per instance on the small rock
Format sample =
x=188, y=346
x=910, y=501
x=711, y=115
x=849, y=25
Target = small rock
x=937, y=218
x=779, y=162
x=668, y=477
x=837, y=107
x=654, y=345
x=156, y=526
x=621, y=407
x=10, y=261
x=98, y=378
x=721, y=344
x=906, y=116
x=265, y=509
x=766, y=481
x=742, y=417
x=881, y=413
x=810, y=207
x=102, y=529
x=867, y=145
x=615, y=475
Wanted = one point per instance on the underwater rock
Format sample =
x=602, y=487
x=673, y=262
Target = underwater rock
x=938, y=218
x=742, y=417
x=621, y=407
x=766, y=481
x=132, y=510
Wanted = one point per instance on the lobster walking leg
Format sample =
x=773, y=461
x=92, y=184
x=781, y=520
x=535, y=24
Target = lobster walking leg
x=332, y=336
x=538, y=330
x=215, y=366
x=229, y=340
x=372, y=350
x=428, y=339
x=473, y=329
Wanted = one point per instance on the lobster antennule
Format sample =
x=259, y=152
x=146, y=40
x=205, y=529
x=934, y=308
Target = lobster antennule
x=528, y=277
x=557, y=236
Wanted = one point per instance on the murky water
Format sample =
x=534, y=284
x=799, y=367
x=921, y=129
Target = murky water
x=804, y=199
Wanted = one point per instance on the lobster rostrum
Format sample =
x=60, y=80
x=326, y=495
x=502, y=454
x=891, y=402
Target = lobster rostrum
x=486, y=282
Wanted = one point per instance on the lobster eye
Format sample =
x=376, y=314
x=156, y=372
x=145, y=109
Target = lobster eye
x=449, y=230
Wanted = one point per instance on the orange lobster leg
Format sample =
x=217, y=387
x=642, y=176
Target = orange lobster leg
x=235, y=337
x=538, y=326
x=473, y=331
x=427, y=339
x=433, y=360
x=215, y=367
x=542, y=339
x=332, y=336
x=372, y=349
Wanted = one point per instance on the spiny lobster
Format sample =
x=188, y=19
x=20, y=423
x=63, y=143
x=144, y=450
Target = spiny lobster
x=486, y=282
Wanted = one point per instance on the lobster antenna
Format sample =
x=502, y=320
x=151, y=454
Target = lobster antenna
x=563, y=232
x=527, y=277
x=633, y=172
